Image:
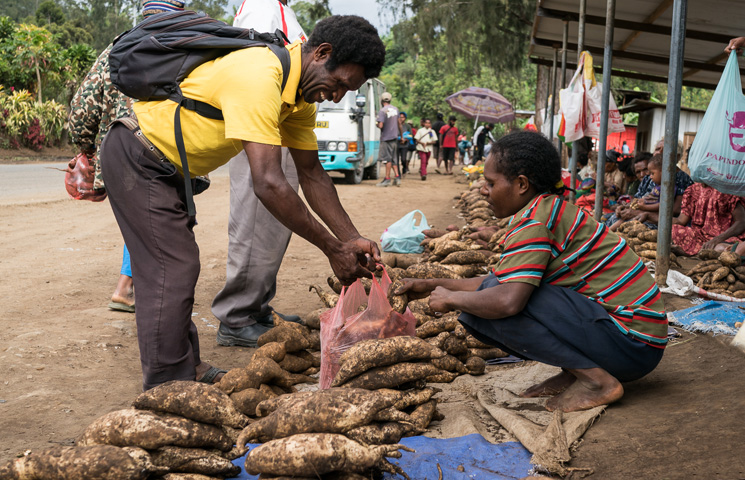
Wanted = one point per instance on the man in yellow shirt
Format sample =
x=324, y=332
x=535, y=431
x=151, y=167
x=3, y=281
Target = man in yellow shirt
x=142, y=171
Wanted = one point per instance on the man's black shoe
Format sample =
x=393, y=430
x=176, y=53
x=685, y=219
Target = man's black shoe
x=268, y=320
x=240, y=337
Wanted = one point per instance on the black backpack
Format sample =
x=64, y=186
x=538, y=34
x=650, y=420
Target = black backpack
x=149, y=62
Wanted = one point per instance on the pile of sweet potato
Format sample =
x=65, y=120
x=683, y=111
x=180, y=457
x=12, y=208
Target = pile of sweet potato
x=642, y=240
x=720, y=272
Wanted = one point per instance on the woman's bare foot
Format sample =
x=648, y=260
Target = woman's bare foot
x=124, y=292
x=594, y=387
x=552, y=386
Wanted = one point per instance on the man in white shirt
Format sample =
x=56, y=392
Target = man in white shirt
x=425, y=138
x=257, y=240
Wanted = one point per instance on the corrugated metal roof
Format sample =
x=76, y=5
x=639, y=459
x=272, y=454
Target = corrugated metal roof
x=641, y=37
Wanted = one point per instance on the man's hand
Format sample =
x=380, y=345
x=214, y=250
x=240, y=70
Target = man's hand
x=735, y=44
x=711, y=243
x=353, y=260
x=439, y=300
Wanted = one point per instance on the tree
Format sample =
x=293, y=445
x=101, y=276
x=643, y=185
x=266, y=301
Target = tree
x=490, y=33
x=49, y=12
x=213, y=8
x=310, y=12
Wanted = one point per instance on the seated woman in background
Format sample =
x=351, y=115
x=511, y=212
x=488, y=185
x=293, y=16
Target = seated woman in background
x=708, y=219
x=566, y=292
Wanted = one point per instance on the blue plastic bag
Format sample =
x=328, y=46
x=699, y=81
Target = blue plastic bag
x=405, y=235
x=717, y=157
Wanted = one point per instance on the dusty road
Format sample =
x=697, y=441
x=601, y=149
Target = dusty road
x=65, y=359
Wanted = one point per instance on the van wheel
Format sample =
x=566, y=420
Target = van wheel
x=373, y=171
x=354, y=177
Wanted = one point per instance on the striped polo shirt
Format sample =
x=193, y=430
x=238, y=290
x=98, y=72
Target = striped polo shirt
x=553, y=241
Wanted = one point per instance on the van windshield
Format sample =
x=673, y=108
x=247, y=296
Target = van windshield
x=347, y=104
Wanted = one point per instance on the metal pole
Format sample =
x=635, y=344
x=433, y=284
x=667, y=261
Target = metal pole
x=670, y=152
x=580, y=45
x=605, y=102
x=553, y=95
x=564, y=56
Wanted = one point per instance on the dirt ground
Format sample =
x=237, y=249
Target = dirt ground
x=65, y=359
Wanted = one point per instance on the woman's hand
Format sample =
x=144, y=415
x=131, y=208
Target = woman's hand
x=440, y=300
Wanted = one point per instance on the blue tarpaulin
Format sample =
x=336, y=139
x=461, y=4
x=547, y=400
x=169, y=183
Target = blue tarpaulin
x=480, y=459
x=710, y=317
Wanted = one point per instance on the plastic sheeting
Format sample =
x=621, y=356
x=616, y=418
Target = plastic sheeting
x=480, y=460
x=710, y=317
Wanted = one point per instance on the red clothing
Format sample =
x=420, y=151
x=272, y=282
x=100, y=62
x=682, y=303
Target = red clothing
x=449, y=136
x=710, y=212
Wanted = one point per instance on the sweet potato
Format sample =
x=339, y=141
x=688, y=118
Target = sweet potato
x=392, y=376
x=730, y=259
x=247, y=400
x=320, y=412
x=421, y=318
x=334, y=283
x=150, y=430
x=291, y=334
x=486, y=353
x=400, y=260
x=194, y=460
x=703, y=267
x=260, y=370
x=648, y=254
x=720, y=274
x=314, y=340
x=708, y=254
x=355, y=396
x=434, y=233
x=439, y=340
x=272, y=350
x=450, y=363
x=423, y=414
x=391, y=414
x=475, y=365
x=188, y=476
x=382, y=352
x=295, y=364
x=379, y=433
x=102, y=462
x=446, y=323
x=328, y=299
x=442, y=376
x=429, y=270
x=421, y=306
x=322, y=453
x=467, y=271
x=473, y=342
x=453, y=345
x=313, y=319
x=197, y=401
x=398, y=302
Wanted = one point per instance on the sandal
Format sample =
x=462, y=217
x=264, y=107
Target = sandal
x=122, y=307
x=210, y=375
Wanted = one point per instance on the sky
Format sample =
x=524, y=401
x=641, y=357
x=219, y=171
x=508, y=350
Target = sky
x=367, y=9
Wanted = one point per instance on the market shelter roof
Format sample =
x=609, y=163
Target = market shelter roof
x=641, y=39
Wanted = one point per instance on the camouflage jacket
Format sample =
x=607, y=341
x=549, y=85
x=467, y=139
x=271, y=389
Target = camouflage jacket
x=95, y=105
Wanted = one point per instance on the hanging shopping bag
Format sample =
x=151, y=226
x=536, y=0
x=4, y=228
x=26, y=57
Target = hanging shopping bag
x=593, y=103
x=717, y=157
x=405, y=235
x=572, y=101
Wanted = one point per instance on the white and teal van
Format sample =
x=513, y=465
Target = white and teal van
x=348, y=137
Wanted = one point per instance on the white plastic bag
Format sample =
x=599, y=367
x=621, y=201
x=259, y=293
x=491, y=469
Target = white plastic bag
x=572, y=100
x=405, y=235
x=593, y=102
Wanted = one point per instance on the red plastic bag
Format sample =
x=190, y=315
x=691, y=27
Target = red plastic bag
x=344, y=325
x=79, y=177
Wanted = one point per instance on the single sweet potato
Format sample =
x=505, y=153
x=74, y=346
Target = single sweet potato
x=720, y=274
x=313, y=319
x=454, y=345
x=318, y=413
x=247, y=400
x=357, y=396
x=295, y=364
x=446, y=323
x=194, y=460
x=382, y=352
x=314, y=340
x=398, y=302
x=708, y=254
x=335, y=284
x=322, y=453
x=414, y=398
x=379, y=433
x=197, y=401
x=429, y=270
x=475, y=365
x=450, y=363
x=102, y=462
x=442, y=376
x=467, y=271
x=423, y=414
x=730, y=259
x=392, y=376
x=421, y=306
x=486, y=353
x=260, y=370
x=328, y=299
x=291, y=334
x=391, y=414
x=151, y=430
x=473, y=342
x=273, y=350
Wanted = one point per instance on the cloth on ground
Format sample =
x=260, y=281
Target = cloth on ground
x=711, y=316
x=479, y=459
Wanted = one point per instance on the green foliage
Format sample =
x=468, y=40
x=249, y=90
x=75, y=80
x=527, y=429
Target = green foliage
x=49, y=12
x=26, y=122
x=79, y=58
x=213, y=8
x=17, y=10
x=310, y=12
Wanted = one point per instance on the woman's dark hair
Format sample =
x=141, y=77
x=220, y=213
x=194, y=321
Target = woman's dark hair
x=642, y=157
x=353, y=40
x=529, y=154
x=627, y=166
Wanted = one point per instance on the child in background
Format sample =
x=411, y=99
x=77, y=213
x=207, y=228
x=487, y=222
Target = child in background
x=566, y=291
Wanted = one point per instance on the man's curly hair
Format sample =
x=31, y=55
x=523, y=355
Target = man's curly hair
x=353, y=40
x=530, y=154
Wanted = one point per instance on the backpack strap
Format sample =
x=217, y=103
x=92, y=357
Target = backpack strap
x=206, y=110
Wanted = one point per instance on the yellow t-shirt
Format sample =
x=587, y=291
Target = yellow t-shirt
x=246, y=86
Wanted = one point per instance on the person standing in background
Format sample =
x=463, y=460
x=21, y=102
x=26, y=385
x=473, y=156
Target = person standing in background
x=436, y=148
x=403, y=143
x=448, y=140
x=390, y=130
x=425, y=139
x=256, y=240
